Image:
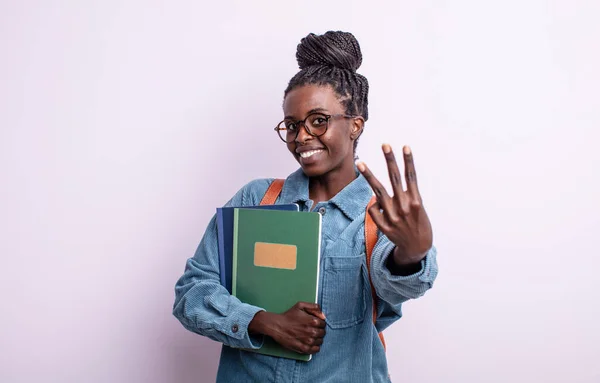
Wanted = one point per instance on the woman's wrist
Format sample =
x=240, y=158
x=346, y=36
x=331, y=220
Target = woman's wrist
x=262, y=323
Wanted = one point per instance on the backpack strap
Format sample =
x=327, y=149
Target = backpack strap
x=370, y=241
x=272, y=192
x=370, y=236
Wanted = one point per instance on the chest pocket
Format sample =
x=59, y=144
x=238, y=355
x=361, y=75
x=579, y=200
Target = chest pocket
x=344, y=291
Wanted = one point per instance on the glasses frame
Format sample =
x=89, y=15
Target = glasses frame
x=303, y=122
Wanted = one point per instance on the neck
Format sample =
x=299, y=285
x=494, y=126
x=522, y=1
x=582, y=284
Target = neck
x=326, y=186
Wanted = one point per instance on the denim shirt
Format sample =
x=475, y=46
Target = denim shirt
x=351, y=350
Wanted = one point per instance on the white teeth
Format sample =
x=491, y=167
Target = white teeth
x=309, y=153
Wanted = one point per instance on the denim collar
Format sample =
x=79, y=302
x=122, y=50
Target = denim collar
x=351, y=200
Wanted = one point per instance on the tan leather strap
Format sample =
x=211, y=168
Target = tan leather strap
x=370, y=241
x=272, y=192
x=370, y=236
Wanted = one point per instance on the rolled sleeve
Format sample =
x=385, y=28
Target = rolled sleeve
x=235, y=327
x=396, y=289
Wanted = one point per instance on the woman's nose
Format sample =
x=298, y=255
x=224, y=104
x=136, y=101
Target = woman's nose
x=303, y=134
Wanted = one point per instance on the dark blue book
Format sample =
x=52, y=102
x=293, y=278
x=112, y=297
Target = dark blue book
x=225, y=237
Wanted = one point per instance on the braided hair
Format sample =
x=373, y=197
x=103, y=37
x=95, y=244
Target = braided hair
x=332, y=59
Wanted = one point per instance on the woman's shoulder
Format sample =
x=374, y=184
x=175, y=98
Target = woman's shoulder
x=258, y=187
x=252, y=193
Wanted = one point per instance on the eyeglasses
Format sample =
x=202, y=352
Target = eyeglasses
x=315, y=124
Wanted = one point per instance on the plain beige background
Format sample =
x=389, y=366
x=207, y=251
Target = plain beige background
x=123, y=124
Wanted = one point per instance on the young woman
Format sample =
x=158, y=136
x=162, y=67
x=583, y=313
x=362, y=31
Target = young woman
x=325, y=109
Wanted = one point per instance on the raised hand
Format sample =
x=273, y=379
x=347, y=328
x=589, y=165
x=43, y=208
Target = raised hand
x=299, y=329
x=400, y=217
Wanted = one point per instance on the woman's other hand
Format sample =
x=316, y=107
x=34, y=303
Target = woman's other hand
x=401, y=217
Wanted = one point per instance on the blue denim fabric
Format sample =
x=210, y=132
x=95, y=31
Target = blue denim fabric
x=351, y=350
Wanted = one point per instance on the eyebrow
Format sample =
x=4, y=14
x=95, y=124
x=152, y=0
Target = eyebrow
x=314, y=110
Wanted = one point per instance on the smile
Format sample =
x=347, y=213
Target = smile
x=310, y=153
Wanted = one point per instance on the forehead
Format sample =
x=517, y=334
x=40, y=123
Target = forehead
x=304, y=99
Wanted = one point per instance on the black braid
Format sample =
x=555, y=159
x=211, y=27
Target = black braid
x=332, y=59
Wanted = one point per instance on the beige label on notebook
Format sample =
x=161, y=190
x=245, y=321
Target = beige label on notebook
x=275, y=255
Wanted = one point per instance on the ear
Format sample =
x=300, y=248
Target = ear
x=358, y=125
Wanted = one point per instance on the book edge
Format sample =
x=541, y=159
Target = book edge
x=234, y=258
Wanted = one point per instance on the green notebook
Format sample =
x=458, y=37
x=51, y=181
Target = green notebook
x=276, y=263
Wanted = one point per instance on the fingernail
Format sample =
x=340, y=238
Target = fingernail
x=386, y=148
x=407, y=149
x=360, y=166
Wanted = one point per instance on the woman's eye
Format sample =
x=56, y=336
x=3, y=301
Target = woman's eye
x=319, y=121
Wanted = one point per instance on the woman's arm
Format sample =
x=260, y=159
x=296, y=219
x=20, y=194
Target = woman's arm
x=407, y=236
x=204, y=306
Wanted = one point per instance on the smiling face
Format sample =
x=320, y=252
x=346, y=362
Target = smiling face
x=331, y=152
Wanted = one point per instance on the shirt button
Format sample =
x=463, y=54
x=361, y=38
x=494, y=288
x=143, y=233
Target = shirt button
x=235, y=328
x=322, y=210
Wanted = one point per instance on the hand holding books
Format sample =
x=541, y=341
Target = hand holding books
x=300, y=329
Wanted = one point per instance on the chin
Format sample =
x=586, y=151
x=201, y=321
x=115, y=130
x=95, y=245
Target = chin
x=313, y=170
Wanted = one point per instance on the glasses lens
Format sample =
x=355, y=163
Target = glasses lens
x=286, y=131
x=317, y=124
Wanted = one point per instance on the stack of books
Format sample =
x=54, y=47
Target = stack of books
x=269, y=257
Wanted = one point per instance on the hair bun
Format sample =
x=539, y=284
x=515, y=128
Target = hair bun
x=337, y=49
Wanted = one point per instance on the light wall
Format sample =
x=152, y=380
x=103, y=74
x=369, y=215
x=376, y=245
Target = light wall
x=123, y=124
